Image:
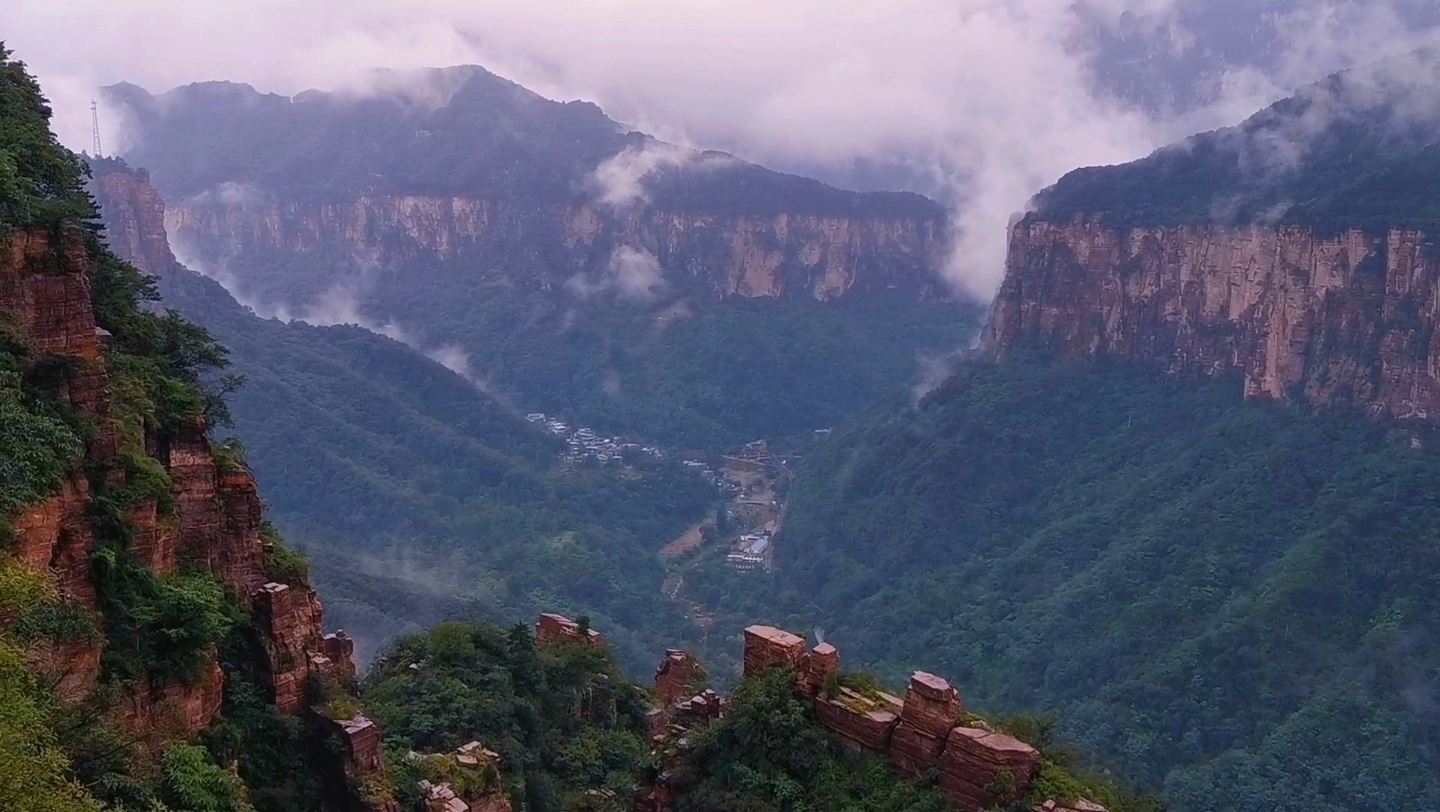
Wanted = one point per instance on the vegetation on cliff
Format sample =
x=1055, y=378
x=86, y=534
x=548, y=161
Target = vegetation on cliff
x=567, y=723
x=78, y=751
x=1357, y=150
x=1230, y=600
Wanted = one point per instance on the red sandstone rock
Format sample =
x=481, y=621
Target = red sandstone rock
x=553, y=627
x=862, y=720
x=173, y=711
x=676, y=677
x=134, y=219
x=1288, y=307
x=767, y=647
x=339, y=649
x=290, y=621
x=972, y=764
x=932, y=706
x=912, y=752
x=361, y=759
x=823, y=661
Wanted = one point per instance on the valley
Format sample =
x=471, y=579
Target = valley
x=365, y=450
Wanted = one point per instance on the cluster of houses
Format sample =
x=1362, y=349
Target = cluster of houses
x=751, y=552
x=726, y=485
x=583, y=443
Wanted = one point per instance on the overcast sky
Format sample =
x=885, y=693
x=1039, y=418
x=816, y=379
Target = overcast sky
x=997, y=96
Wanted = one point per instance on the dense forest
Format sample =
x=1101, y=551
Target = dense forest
x=1233, y=601
x=420, y=498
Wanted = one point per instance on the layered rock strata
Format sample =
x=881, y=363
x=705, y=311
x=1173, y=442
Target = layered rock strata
x=747, y=255
x=1338, y=318
x=978, y=768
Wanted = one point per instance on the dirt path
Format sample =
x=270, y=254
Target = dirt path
x=689, y=541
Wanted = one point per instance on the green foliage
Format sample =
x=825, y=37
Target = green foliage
x=282, y=564
x=193, y=783
x=37, y=447
x=1354, y=151
x=563, y=719
x=276, y=755
x=38, y=177
x=769, y=753
x=34, y=773
x=1229, y=601
x=161, y=625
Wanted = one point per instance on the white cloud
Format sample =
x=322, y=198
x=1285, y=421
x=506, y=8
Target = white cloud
x=620, y=181
x=633, y=273
x=993, y=97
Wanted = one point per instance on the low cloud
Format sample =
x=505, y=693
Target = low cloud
x=633, y=273
x=988, y=101
x=620, y=181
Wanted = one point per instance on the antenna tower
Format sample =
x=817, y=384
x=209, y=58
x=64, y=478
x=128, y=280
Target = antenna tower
x=95, y=128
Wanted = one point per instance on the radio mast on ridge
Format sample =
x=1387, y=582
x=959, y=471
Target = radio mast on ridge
x=95, y=128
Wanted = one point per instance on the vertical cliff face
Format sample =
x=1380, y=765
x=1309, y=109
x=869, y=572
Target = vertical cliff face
x=44, y=286
x=1348, y=317
x=746, y=255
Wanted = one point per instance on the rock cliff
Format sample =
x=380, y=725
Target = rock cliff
x=1346, y=317
x=211, y=518
x=728, y=254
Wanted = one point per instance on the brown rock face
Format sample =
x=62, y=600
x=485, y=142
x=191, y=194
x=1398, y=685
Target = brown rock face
x=134, y=218
x=1344, y=318
x=290, y=621
x=767, y=647
x=977, y=765
x=823, y=661
x=361, y=761
x=551, y=628
x=932, y=709
x=774, y=256
x=45, y=288
x=168, y=712
x=865, y=721
x=676, y=675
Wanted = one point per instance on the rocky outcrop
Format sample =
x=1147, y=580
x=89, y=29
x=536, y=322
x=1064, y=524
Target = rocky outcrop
x=978, y=768
x=134, y=216
x=552, y=628
x=362, y=764
x=211, y=518
x=1340, y=318
x=747, y=255
x=161, y=713
x=680, y=675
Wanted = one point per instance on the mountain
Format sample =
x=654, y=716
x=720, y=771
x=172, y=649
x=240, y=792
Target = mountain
x=161, y=648
x=417, y=496
x=1296, y=247
x=583, y=270
x=1184, y=495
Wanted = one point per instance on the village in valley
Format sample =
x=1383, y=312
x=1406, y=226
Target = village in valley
x=751, y=483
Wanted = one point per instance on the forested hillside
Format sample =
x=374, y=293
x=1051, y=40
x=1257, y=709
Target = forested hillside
x=1355, y=151
x=419, y=498
x=1233, y=601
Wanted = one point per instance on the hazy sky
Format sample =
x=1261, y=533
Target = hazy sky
x=996, y=96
